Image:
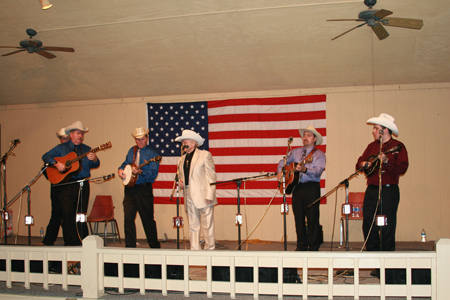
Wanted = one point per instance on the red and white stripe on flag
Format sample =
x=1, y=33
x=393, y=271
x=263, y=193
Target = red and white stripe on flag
x=247, y=137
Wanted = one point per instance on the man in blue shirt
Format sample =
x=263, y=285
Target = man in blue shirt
x=139, y=198
x=307, y=189
x=70, y=201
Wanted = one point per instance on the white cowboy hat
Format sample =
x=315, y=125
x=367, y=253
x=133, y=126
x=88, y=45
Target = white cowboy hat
x=385, y=120
x=311, y=129
x=75, y=126
x=190, y=135
x=61, y=133
x=139, y=132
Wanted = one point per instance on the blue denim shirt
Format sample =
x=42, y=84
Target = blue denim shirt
x=150, y=171
x=62, y=150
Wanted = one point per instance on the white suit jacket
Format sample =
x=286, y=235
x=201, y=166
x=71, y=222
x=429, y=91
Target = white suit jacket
x=202, y=172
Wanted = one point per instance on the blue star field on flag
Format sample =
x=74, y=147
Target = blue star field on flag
x=166, y=121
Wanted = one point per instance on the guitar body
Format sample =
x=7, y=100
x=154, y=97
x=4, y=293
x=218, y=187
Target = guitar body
x=55, y=177
x=376, y=161
x=130, y=179
x=291, y=178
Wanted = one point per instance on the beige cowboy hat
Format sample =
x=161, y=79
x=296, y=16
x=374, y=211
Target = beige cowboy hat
x=75, y=126
x=190, y=135
x=61, y=133
x=385, y=120
x=139, y=132
x=311, y=129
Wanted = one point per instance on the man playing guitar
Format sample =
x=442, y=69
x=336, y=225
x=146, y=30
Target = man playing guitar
x=69, y=195
x=311, y=164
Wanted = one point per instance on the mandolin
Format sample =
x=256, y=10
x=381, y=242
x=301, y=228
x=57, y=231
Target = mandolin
x=375, y=160
x=130, y=179
x=293, y=176
x=72, y=163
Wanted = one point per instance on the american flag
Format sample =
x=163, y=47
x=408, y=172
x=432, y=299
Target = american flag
x=247, y=138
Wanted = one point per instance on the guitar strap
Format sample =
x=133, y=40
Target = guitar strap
x=309, y=155
x=135, y=148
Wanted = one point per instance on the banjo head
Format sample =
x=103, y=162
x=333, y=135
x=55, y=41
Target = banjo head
x=128, y=172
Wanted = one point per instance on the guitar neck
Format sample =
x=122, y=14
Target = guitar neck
x=85, y=154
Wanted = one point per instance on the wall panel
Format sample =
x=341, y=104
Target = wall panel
x=421, y=112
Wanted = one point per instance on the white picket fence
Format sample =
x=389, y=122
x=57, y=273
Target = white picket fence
x=93, y=256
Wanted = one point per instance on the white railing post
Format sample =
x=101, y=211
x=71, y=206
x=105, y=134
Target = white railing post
x=443, y=267
x=89, y=267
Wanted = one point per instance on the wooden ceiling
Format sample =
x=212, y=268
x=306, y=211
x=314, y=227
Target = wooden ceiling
x=141, y=48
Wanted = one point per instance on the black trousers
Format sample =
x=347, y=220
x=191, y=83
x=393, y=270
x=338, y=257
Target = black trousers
x=71, y=203
x=381, y=238
x=55, y=219
x=303, y=195
x=140, y=199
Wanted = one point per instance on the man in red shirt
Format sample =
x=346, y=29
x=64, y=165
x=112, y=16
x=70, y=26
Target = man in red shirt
x=382, y=194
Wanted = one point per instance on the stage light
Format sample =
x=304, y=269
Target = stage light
x=347, y=208
x=81, y=218
x=45, y=4
x=29, y=220
x=178, y=222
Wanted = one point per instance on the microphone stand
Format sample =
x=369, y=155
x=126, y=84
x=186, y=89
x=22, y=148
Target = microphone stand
x=380, y=188
x=346, y=183
x=13, y=145
x=80, y=198
x=175, y=184
x=238, y=184
x=283, y=181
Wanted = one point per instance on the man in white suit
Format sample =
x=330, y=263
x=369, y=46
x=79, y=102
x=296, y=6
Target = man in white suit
x=196, y=172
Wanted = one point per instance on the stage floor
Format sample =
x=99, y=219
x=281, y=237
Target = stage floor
x=251, y=245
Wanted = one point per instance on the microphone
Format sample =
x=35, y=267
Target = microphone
x=108, y=176
x=290, y=139
x=16, y=141
x=381, y=131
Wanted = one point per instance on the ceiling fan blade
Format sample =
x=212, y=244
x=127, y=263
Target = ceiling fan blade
x=382, y=13
x=380, y=31
x=33, y=43
x=65, y=49
x=345, y=20
x=13, y=52
x=404, y=23
x=45, y=53
x=348, y=31
x=11, y=47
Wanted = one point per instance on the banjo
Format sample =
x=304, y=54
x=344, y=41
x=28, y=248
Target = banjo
x=129, y=178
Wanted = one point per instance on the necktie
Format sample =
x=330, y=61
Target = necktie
x=303, y=155
x=138, y=157
x=301, y=159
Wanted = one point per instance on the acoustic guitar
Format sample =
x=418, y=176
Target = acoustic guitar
x=129, y=178
x=72, y=163
x=375, y=160
x=293, y=176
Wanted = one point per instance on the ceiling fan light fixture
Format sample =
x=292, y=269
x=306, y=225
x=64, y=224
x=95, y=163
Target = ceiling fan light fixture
x=45, y=4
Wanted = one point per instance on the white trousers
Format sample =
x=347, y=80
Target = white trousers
x=202, y=218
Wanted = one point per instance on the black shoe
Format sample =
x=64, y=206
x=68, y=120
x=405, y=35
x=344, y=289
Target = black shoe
x=375, y=273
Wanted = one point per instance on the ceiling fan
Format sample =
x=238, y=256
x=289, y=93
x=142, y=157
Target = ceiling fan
x=377, y=18
x=35, y=46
